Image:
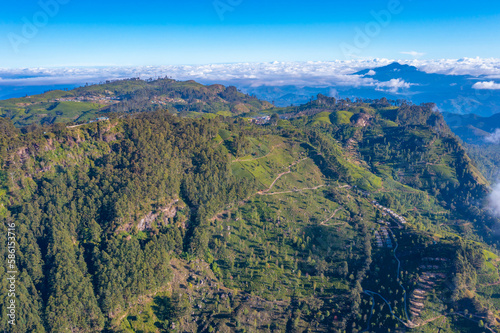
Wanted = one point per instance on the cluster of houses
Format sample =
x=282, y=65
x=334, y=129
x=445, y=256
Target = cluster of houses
x=90, y=121
x=94, y=98
x=162, y=100
x=386, y=210
x=361, y=192
x=260, y=120
x=99, y=119
x=382, y=238
x=158, y=101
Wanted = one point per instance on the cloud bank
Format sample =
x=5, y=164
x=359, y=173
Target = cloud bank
x=494, y=200
x=494, y=137
x=486, y=85
x=317, y=74
x=312, y=73
x=393, y=86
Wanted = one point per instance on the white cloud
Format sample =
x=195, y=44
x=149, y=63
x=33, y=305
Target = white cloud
x=414, y=54
x=317, y=74
x=486, y=85
x=333, y=93
x=494, y=200
x=371, y=72
x=494, y=137
x=312, y=73
x=465, y=66
x=393, y=85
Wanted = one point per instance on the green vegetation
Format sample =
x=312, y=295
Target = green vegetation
x=341, y=117
x=87, y=103
x=191, y=216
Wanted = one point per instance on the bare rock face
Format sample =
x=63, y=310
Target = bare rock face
x=361, y=119
x=147, y=221
x=169, y=211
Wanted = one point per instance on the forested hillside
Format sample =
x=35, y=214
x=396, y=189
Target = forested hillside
x=124, y=96
x=333, y=216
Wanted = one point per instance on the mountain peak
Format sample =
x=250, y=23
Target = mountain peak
x=398, y=66
x=390, y=69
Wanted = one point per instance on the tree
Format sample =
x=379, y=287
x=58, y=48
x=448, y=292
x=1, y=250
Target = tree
x=274, y=119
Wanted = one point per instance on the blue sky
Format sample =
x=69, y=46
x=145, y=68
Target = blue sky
x=132, y=33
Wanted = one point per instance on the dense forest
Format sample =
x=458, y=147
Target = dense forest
x=222, y=213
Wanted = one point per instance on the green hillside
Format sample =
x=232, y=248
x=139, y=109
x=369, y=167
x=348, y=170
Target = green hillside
x=203, y=215
x=124, y=96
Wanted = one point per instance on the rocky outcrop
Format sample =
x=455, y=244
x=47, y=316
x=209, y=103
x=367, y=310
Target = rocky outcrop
x=160, y=217
x=361, y=119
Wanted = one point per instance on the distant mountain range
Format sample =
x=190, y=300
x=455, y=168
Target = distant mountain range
x=472, y=128
x=451, y=93
x=482, y=140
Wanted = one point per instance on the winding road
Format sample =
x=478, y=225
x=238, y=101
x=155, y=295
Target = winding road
x=370, y=293
x=399, y=268
x=280, y=175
